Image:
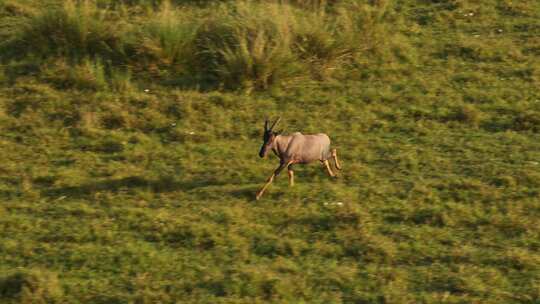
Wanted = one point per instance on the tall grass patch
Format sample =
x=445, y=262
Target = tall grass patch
x=249, y=45
x=31, y=286
x=232, y=45
x=165, y=44
x=258, y=45
x=87, y=75
x=72, y=29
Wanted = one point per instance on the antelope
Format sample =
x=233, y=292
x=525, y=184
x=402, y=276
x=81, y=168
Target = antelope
x=296, y=148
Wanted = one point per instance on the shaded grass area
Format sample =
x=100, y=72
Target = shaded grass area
x=232, y=45
x=138, y=191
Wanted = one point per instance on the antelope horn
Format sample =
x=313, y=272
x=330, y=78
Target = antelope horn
x=266, y=124
x=275, y=123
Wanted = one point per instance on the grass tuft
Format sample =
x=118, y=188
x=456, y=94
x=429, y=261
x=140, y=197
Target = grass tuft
x=75, y=30
x=33, y=286
x=165, y=44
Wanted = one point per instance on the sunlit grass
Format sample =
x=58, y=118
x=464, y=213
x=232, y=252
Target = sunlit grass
x=122, y=182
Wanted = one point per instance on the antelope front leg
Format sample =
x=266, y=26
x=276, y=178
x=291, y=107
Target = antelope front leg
x=327, y=165
x=271, y=179
x=268, y=182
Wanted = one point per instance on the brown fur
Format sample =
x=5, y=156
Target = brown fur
x=296, y=148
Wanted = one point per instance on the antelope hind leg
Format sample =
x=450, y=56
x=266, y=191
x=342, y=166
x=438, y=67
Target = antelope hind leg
x=291, y=176
x=334, y=156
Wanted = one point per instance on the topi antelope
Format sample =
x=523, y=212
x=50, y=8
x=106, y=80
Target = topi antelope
x=296, y=148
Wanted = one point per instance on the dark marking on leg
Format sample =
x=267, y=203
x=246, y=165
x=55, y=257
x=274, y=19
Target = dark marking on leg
x=271, y=179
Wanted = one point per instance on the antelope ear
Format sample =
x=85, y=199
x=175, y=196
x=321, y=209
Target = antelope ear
x=279, y=132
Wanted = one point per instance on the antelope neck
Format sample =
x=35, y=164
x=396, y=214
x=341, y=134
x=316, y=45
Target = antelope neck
x=279, y=144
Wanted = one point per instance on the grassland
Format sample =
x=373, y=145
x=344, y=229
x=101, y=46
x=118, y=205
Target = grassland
x=129, y=134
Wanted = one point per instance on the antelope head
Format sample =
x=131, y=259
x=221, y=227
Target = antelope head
x=268, y=138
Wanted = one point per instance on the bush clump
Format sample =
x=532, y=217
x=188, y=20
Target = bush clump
x=31, y=286
x=74, y=30
x=527, y=121
x=233, y=45
x=255, y=46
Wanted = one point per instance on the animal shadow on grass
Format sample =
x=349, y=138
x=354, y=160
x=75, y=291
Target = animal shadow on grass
x=161, y=185
x=244, y=193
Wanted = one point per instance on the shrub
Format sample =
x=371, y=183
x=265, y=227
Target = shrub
x=3, y=77
x=166, y=41
x=247, y=45
x=527, y=121
x=71, y=30
x=234, y=45
x=467, y=114
x=327, y=40
x=121, y=80
x=87, y=75
x=31, y=286
x=255, y=46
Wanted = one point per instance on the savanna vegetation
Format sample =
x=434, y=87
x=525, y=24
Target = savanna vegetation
x=129, y=133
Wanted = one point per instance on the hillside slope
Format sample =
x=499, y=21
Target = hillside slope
x=129, y=141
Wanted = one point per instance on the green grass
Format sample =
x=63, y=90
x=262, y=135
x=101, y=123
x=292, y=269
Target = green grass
x=129, y=167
